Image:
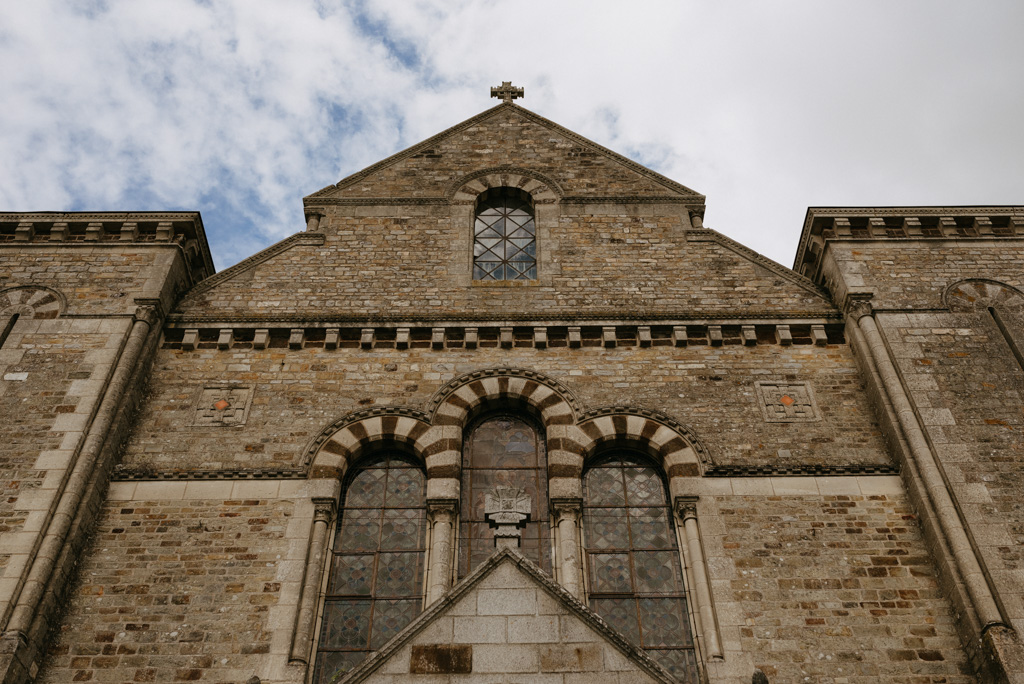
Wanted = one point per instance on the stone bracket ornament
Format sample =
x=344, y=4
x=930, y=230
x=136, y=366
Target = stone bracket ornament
x=507, y=509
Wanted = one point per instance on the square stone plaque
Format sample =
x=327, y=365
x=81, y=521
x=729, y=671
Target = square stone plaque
x=787, y=402
x=223, y=405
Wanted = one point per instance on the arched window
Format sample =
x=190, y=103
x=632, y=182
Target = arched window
x=375, y=586
x=635, y=575
x=505, y=236
x=503, y=451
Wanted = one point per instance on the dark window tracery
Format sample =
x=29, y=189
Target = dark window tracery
x=375, y=586
x=505, y=236
x=507, y=451
x=636, y=578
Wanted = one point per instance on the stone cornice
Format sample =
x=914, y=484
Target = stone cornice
x=696, y=317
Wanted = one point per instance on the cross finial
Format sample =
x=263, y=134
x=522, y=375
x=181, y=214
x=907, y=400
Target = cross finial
x=506, y=91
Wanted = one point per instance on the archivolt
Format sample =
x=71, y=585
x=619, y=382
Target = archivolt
x=542, y=188
x=32, y=302
x=979, y=293
x=339, y=444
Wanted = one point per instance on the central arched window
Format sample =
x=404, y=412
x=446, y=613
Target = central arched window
x=505, y=236
x=635, y=575
x=503, y=451
x=375, y=586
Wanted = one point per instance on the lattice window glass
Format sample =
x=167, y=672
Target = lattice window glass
x=505, y=236
x=375, y=587
x=635, y=576
x=505, y=451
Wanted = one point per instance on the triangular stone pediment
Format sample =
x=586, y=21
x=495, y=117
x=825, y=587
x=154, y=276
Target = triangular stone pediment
x=505, y=139
x=507, y=621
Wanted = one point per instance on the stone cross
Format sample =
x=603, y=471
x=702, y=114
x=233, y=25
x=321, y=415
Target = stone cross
x=507, y=509
x=507, y=92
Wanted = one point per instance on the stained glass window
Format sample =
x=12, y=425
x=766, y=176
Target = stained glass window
x=505, y=236
x=636, y=579
x=375, y=587
x=503, y=451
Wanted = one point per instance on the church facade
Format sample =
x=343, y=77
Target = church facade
x=507, y=411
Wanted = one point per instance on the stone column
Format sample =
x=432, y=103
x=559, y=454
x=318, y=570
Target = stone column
x=323, y=515
x=567, y=515
x=313, y=222
x=686, y=510
x=441, y=517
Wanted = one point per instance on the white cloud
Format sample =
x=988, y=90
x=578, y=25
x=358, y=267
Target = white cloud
x=239, y=108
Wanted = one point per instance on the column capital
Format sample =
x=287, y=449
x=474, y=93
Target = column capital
x=858, y=305
x=570, y=507
x=148, y=311
x=442, y=510
x=324, y=509
x=685, y=507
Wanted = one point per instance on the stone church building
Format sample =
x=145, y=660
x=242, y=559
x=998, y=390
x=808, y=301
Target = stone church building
x=506, y=411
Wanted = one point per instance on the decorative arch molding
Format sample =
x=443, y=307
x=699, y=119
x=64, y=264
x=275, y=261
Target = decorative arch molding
x=679, y=451
x=339, y=444
x=976, y=294
x=32, y=301
x=542, y=188
x=454, y=403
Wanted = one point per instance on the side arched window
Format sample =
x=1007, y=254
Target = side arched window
x=503, y=451
x=635, y=575
x=504, y=236
x=375, y=586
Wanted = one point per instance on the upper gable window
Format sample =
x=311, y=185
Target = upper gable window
x=505, y=236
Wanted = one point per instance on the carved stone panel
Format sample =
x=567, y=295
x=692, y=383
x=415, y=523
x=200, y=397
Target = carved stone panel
x=223, y=405
x=787, y=402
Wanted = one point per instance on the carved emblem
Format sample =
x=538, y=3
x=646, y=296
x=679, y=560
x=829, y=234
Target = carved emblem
x=787, y=402
x=223, y=405
x=507, y=509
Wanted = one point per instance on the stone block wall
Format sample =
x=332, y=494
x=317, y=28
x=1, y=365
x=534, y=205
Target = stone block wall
x=297, y=392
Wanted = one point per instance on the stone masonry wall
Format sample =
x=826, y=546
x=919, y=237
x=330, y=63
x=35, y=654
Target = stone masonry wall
x=968, y=390
x=184, y=589
x=53, y=373
x=297, y=392
x=906, y=274
x=829, y=588
x=593, y=263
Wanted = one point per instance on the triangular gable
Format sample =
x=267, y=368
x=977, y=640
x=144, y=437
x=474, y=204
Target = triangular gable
x=586, y=636
x=645, y=182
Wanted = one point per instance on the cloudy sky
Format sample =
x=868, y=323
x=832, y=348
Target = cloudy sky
x=239, y=108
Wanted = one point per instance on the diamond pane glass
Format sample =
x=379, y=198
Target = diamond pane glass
x=633, y=564
x=503, y=451
x=377, y=590
x=398, y=574
x=657, y=572
x=366, y=489
x=332, y=664
x=352, y=575
x=620, y=613
x=389, y=618
x=650, y=528
x=359, y=531
x=505, y=232
x=402, y=529
x=405, y=487
x=610, y=573
x=606, y=528
x=643, y=487
x=664, y=622
x=681, y=663
x=346, y=624
x=604, y=487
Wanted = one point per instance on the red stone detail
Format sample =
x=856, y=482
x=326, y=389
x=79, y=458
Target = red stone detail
x=221, y=405
x=786, y=400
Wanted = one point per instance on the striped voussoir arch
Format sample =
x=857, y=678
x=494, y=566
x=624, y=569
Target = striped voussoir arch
x=678, y=450
x=339, y=444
